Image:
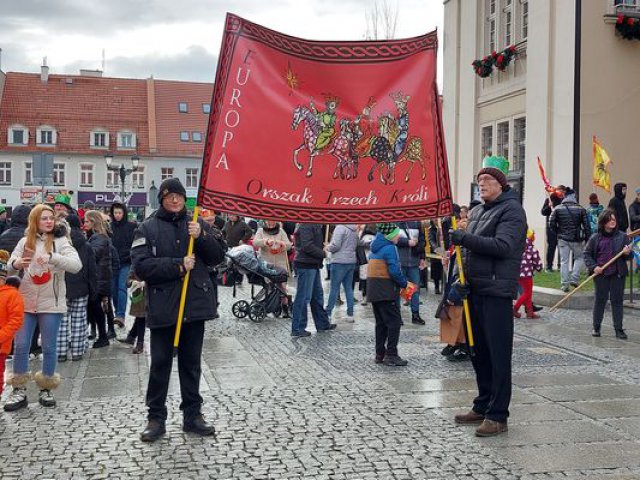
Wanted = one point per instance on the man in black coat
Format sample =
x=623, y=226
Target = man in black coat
x=122, y=237
x=617, y=205
x=551, y=202
x=12, y=235
x=159, y=257
x=494, y=241
x=634, y=212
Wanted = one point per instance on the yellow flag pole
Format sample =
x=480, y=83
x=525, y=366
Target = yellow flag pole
x=185, y=285
x=465, y=302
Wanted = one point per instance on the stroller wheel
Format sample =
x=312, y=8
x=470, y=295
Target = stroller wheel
x=257, y=312
x=240, y=309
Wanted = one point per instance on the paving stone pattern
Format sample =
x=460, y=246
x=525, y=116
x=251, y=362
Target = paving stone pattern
x=319, y=408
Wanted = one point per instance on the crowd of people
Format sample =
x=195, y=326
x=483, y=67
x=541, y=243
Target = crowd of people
x=68, y=276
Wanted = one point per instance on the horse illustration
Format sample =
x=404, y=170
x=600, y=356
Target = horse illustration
x=344, y=151
x=413, y=152
x=382, y=151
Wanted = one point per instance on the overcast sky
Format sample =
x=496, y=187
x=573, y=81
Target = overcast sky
x=176, y=39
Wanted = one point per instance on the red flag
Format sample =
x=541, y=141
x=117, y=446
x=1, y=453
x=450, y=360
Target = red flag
x=326, y=132
x=547, y=186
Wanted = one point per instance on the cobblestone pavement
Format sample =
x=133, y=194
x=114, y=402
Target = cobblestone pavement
x=319, y=408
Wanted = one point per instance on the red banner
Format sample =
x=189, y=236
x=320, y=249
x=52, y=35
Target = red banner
x=326, y=132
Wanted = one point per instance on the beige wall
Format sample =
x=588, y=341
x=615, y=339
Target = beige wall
x=610, y=100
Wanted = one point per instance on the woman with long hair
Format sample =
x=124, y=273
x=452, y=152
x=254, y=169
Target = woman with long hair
x=44, y=254
x=98, y=234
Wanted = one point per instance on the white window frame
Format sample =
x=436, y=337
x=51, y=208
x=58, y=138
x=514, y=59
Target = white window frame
x=112, y=179
x=82, y=172
x=25, y=135
x=57, y=171
x=507, y=24
x=186, y=137
x=191, y=177
x=626, y=6
x=206, y=108
x=92, y=138
x=524, y=19
x=483, y=151
x=48, y=129
x=491, y=24
x=199, y=137
x=137, y=178
x=28, y=172
x=165, y=175
x=498, y=143
x=6, y=167
x=521, y=162
x=125, y=134
x=186, y=107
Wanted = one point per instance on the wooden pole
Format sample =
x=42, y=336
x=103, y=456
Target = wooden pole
x=185, y=285
x=465, y=302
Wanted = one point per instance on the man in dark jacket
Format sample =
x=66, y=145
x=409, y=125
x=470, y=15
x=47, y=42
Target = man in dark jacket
x=494, y=241
x=123, y=231
x=159, y=257
x=411, y=250
x=19, y=220
x=634, y=212
x=235, y=230
x=617, y=205
x=3, y=219
x=551, y=202
x=570, y=223
x=307, y=264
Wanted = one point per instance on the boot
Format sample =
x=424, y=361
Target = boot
x=199, y=426
x=153, y=431
x=394, y=361
x=516, y=313
x=285, y=311
x=47, y=384
x=18, y=397
x=138, y=349
x=111, y=333
x=415, y=318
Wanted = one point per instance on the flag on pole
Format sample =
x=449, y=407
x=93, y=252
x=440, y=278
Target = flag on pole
x=601, y=161
x=325, y=131
x=547, y=186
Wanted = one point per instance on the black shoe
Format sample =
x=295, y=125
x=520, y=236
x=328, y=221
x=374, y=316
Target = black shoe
x=111, y=334
x=199, y=427
x=448, y=350
x=332, y=326
x=92, y=335
x=303, y=333
x=154, y=430
x=394, y=361
x=379, y=358
x=415, y=318
x=62, y=358
x=129, y=340
x=537, y=308
x=101, y=342
x=621, y=335
x=437, y=292
x=75, y=358
x=458, y=356
x=573, y=284
x=595, y=332
x=36, y=351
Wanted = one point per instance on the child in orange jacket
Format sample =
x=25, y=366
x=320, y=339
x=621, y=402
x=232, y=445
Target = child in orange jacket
x=11, y=312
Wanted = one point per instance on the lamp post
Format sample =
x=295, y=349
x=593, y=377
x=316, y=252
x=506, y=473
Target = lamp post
x=123, y=171
x=153, y=196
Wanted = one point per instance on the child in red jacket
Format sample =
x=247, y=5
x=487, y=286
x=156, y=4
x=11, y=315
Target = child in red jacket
x=530, y=264
x=11, y=312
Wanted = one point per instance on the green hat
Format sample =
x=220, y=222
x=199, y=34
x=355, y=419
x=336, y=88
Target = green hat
x=497, y=167
x=2, y=209
x=63, y=199
x=388, y=230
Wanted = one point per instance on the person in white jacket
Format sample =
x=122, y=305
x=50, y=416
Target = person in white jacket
x=44, y=254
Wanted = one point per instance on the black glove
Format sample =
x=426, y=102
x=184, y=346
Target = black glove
x=458, y=293
x=456, y=236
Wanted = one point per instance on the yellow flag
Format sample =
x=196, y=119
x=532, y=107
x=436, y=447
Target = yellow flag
x=601, y=161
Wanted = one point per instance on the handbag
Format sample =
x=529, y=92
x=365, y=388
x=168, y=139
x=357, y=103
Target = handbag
x=361, y=255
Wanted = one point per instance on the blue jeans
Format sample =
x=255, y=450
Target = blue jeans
x=49, y=326
x=413, y=275
x=119, y=290
x=309, y=292
x=341, y=274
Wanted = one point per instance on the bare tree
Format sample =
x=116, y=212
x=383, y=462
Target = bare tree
x=381, y=18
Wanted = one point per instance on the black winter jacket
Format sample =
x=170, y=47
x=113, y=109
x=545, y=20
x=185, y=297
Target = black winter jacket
x=569, y=221
x=634, y=215
x=157, y=255
x=591, y=252
x=309, y=242
x=101, y=245
x=617, y=205
x=19, y=221
x=236, y=231
x=494, y=241
x=85, y=281
x=123, y=232
x=411, y=256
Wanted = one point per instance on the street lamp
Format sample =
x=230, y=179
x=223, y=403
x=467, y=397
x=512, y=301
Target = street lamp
x=153, y=196
x=123, y=171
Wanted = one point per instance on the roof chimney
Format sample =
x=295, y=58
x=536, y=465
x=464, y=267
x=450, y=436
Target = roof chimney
x=44, y=71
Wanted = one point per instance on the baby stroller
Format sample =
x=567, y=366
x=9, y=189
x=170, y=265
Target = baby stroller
x=269, y=297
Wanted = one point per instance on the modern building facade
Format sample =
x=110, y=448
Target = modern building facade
x=572, y=77
x=78, y=120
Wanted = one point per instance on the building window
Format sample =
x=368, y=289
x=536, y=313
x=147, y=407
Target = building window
x=28, y=173
x=502, y=140
x=137, y=177
x=196, y=137
x=183, y=107
x=508, y=23
x=99, y=139
x=46, y=135
x=519, y=144
x=491, y=24
x=5, y=173
x=58, y=174
x=192, y=178
x=184, y=136
x=206, y=108
x=86, y=175
x=112, y=179
x=626, y=6
x=525, y=19
x=487, y=141
x=18, y=135
x=126, y=140
x=165, y=173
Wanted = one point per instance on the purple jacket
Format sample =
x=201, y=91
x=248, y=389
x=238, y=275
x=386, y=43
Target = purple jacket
x=530, y=261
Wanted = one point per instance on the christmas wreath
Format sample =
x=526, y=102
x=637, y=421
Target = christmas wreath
x=484, y=67
x=628, y=27
x=500, y=60
x=503, y=59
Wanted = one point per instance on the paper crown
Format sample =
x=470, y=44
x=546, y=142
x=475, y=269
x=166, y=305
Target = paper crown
x=328, y=97
x=495, y=161
x=399, y=96
x=63, y=198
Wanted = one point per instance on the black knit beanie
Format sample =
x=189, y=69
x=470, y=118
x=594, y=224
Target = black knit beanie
x=171, y=185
